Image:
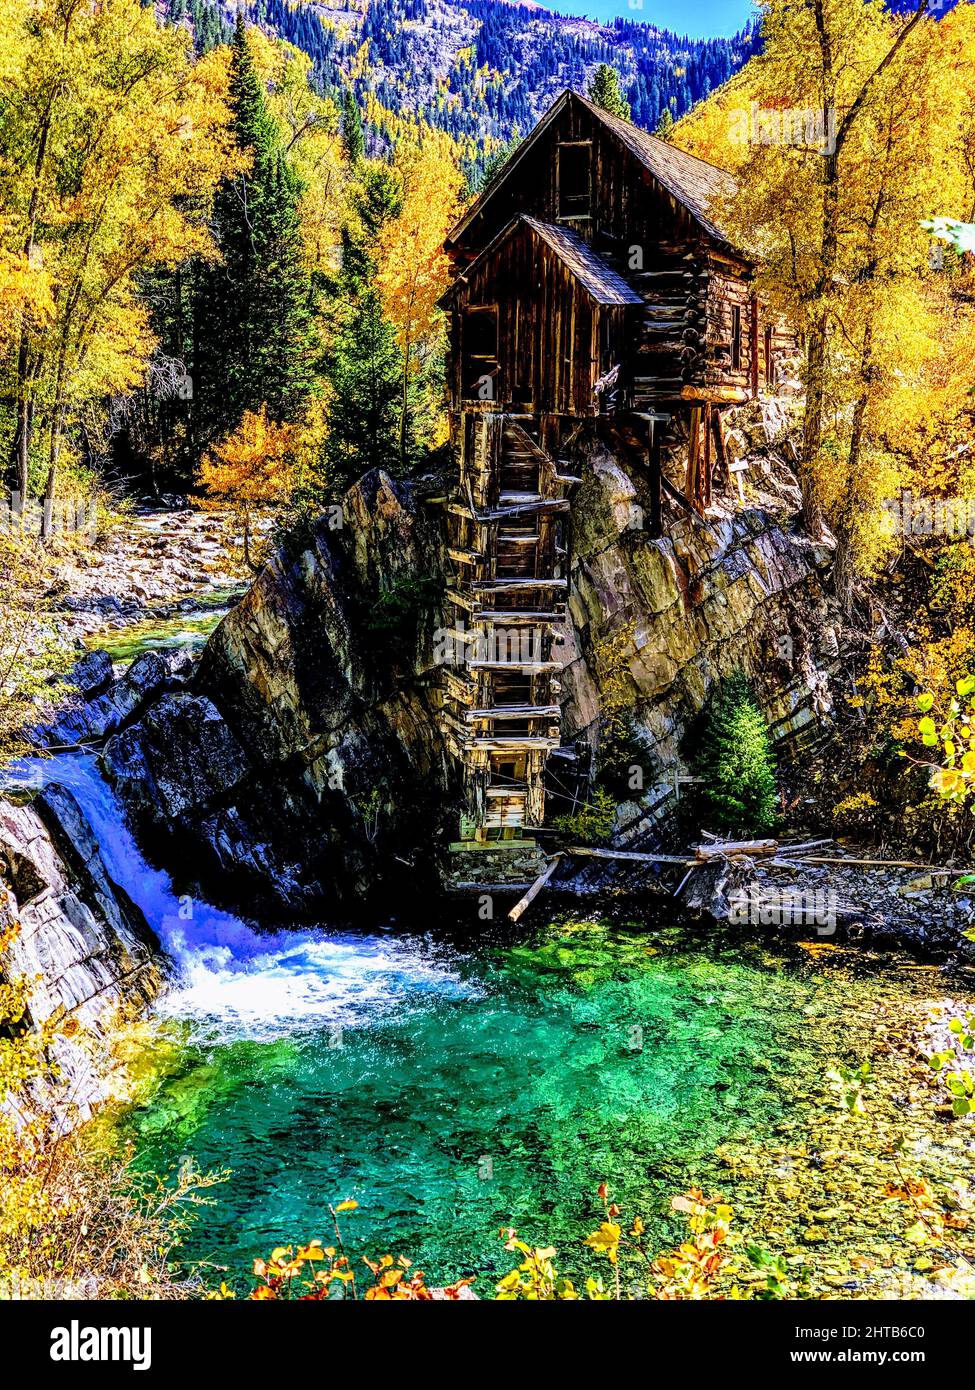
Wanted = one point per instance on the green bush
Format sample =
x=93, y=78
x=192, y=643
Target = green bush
x=737, y=762
x=590, y=823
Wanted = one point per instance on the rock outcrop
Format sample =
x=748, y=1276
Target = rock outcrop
x=665, y=619
x=78, y=944
x=303, y=768
x=98, y=710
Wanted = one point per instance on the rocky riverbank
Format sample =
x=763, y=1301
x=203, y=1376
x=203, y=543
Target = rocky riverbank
x=82, y=951
x=145, y=565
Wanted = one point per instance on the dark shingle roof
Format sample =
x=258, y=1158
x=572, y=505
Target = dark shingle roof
x=692, y=181
x=598, y=279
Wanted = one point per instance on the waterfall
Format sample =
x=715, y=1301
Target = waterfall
x=231, y=978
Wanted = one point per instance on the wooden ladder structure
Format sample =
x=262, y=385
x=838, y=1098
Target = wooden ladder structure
x=507, y=545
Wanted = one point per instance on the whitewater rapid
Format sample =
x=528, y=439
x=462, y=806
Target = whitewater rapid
x=231, y=979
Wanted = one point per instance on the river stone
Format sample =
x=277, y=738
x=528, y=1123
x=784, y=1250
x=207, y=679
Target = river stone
x=91, y=675
x=90, y=721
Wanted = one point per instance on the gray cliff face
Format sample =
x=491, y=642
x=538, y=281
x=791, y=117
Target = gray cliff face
x=739, y=590
x=304, y=767
x=83, y=949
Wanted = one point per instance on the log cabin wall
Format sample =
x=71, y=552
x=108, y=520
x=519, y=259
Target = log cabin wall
x=551, y=340
x=692, y=283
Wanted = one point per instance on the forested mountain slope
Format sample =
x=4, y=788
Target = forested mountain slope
x=481, y=68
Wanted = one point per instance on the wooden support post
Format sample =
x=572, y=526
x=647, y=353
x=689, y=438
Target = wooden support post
x=753, y=364
x=693, y=483
x=706, y=468
x=656, y=524
x=523, y=903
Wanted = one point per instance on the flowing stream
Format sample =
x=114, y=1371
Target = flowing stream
x=468, y=1076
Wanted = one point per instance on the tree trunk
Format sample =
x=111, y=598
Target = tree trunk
x=25, y=403
x=50, y=491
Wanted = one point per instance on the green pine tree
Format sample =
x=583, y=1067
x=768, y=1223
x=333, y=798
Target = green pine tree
x=737, y=762
x=665, y=125
x=364, y=365
x=604, y=91
x=353, y=136
x=252, y=340
x=496, y=162
x=365, y=373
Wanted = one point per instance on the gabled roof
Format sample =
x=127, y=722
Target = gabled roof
x=598, y=279
x=692, y=181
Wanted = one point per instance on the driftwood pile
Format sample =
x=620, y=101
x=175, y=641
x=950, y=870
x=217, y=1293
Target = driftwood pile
x=716, y=868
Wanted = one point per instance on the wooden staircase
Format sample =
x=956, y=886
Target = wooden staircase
x=506, y=541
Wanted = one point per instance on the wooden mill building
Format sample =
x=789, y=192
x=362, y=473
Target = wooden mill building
x=592, y=283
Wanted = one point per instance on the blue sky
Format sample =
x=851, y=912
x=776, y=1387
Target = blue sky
x=698, y=18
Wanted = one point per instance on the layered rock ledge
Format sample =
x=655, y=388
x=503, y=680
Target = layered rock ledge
x=82, y=949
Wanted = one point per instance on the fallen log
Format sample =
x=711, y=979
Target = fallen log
x=523, y=903
x=878, y=864
x=735, y=849
x=587, y=853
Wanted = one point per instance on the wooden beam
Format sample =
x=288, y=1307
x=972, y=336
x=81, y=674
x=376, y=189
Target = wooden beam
x=502, y=744
x=631, y=856
x=656, y=476
x=513, y=712
x=731, y=849
x=515, y=616
x=536, y=668
x=524, y=903
x=499, y=586
x=726, y=394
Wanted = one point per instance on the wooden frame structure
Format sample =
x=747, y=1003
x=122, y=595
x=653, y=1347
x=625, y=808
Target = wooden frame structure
x=597, y=288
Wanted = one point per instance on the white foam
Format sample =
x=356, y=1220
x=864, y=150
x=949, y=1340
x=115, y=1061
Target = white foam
x=231, y=977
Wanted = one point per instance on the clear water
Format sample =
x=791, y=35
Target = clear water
x=455, y=1079
x=189, y=629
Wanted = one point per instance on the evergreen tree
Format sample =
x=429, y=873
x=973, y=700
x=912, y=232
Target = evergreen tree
x=365, y=374
x=665, y=125
x=251, y=310
x=737, y=762
x=365, y=365
x=604, y=91
x=496, y=162
x=353, y=136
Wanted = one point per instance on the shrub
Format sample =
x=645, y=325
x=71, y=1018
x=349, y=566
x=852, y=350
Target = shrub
x=76, y=1217
x=393, y=619
x=736, y=761
x=592, y=823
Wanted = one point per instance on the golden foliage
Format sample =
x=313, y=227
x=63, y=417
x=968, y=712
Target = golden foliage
x=253, y=469
x=414, y=269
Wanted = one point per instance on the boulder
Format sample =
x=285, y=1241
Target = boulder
x=92, y=720
x=304, y=766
